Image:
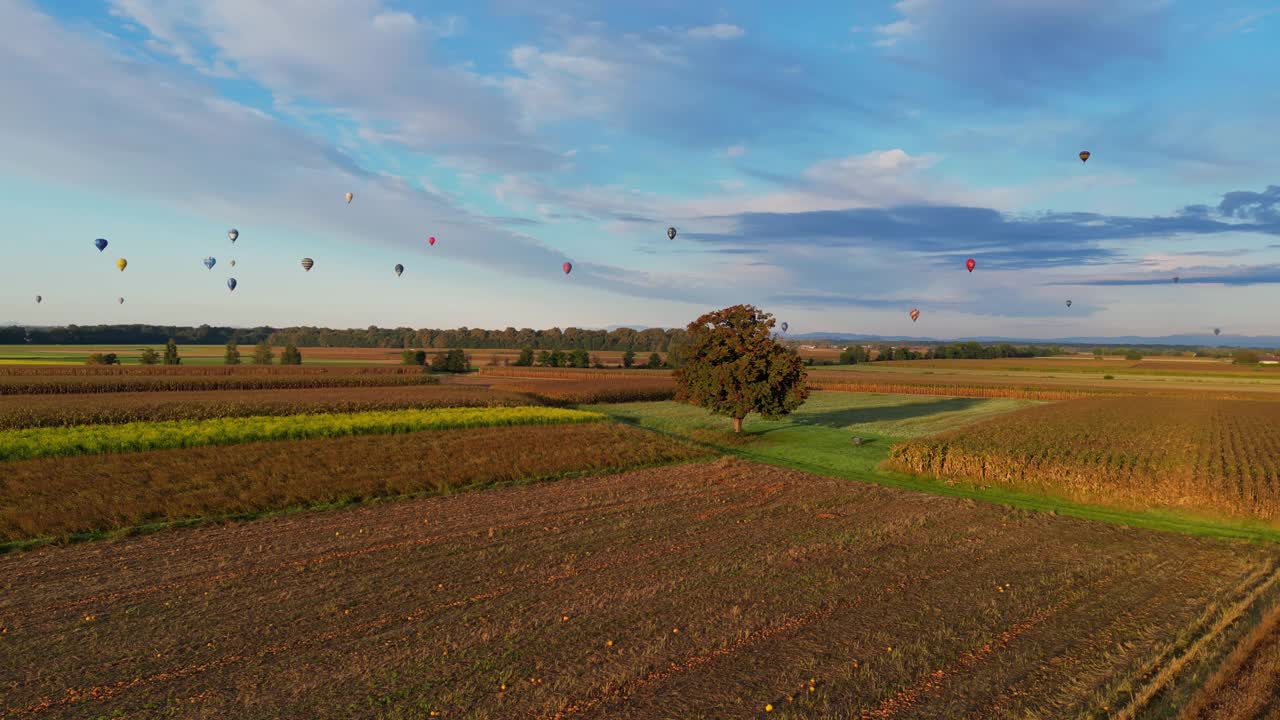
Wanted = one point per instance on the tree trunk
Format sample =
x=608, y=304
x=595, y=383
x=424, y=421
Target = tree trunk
x=737, y=425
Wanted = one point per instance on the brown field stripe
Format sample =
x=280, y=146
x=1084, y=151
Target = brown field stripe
x=107, y=691
x=695, y=661
x=342, y=555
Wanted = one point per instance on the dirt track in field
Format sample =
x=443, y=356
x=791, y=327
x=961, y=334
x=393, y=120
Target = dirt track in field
x=702, y=590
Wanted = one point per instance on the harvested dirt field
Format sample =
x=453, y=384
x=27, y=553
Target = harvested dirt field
x=59, y=497
x=1248, y=685
x=703, y=590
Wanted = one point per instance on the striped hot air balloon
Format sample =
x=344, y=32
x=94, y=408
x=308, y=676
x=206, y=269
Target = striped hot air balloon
x=915, y=314
x=307, y=264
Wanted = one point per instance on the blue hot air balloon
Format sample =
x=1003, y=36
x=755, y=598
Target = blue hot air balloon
x=210, y=262
x=231, y=284
x=101, y=244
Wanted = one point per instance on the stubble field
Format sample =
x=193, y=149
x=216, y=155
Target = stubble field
x=706, y=590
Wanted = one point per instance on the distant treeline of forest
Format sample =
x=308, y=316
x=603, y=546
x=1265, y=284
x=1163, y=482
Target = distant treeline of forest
x=622, y=339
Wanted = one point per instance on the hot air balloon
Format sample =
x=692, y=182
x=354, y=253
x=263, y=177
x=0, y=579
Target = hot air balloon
x=971, y=264
x=431, y=241
x=101, y=244
x=231, y=284
x=399, y=269
x=671, y=233
x=1217, y=331
x=1084, y=156
x=233, y=234
x=567, y=267
x=209, y=263
x=307, y=264
x=1068, y=303
x=233, y=263
x=1176, y=279
x=39, y=299
x=350, y=197
x=122, y=264
x=120, y=300
x=915, y=314
x=784, y=327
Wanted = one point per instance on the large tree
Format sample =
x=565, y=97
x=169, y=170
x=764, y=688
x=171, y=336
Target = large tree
x=733, y=366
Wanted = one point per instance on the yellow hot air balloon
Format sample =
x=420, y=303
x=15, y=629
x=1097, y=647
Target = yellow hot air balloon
x=122, y=264
x=1084, y=155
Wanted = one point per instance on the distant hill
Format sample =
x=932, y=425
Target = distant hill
x=1208, y=339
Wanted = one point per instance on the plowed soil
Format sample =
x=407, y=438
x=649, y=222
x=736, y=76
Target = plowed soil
x=706, y=590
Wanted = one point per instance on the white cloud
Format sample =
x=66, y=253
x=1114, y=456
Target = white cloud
x=719, y=31
x=356, y=61
x=893, y=32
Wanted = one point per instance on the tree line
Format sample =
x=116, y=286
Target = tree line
x=956, y=351
x=619, y=339
x=263, y=354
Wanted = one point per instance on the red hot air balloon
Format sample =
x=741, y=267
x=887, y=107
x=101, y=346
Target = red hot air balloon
x=567, y=267
x=971, y=264
x=915, y=314
x=431, y=241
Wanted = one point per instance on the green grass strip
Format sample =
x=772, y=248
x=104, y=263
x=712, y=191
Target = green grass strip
x=816, y=440
x=140, y=436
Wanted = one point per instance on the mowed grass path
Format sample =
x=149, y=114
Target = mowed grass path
x=817, y=439
x=165, y=435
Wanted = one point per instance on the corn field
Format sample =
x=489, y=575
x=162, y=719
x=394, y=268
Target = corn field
x=1213, y=457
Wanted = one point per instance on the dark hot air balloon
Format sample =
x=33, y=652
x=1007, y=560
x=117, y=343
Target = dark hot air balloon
x=971, y=264
x=231, y=284
x=120, y=300
x=1068, y=303
x=1176, y=279
x=671, y=233
x=101, y=244
x=1217, y=331
x=307, y=264
x=567, y=267
x=784, y=327
x=399, y=269
x=1084, y=155
x=915, y=314
x=209, y=263
x=233, y=263
x=39, y=299
x=233, y=234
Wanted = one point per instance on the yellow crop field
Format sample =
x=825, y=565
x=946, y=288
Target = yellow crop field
x=140, y=436
x=1214, y=457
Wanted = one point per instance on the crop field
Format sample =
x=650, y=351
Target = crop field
x=171, y=382
x=60, y=498
x=1248, y=684
x=25, y=411
x=706, y=590
x=1217, y=457
x=168, y=434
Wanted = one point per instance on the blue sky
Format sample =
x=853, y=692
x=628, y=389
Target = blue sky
x=835, y=166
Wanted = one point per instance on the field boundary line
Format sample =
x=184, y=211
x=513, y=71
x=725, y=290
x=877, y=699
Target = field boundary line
x=1166, y=675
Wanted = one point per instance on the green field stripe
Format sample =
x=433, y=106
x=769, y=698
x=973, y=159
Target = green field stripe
x=163, y=435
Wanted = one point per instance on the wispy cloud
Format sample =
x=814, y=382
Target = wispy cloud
x=719, y=31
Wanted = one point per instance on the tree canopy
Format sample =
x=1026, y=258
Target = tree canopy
x=733, y=366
